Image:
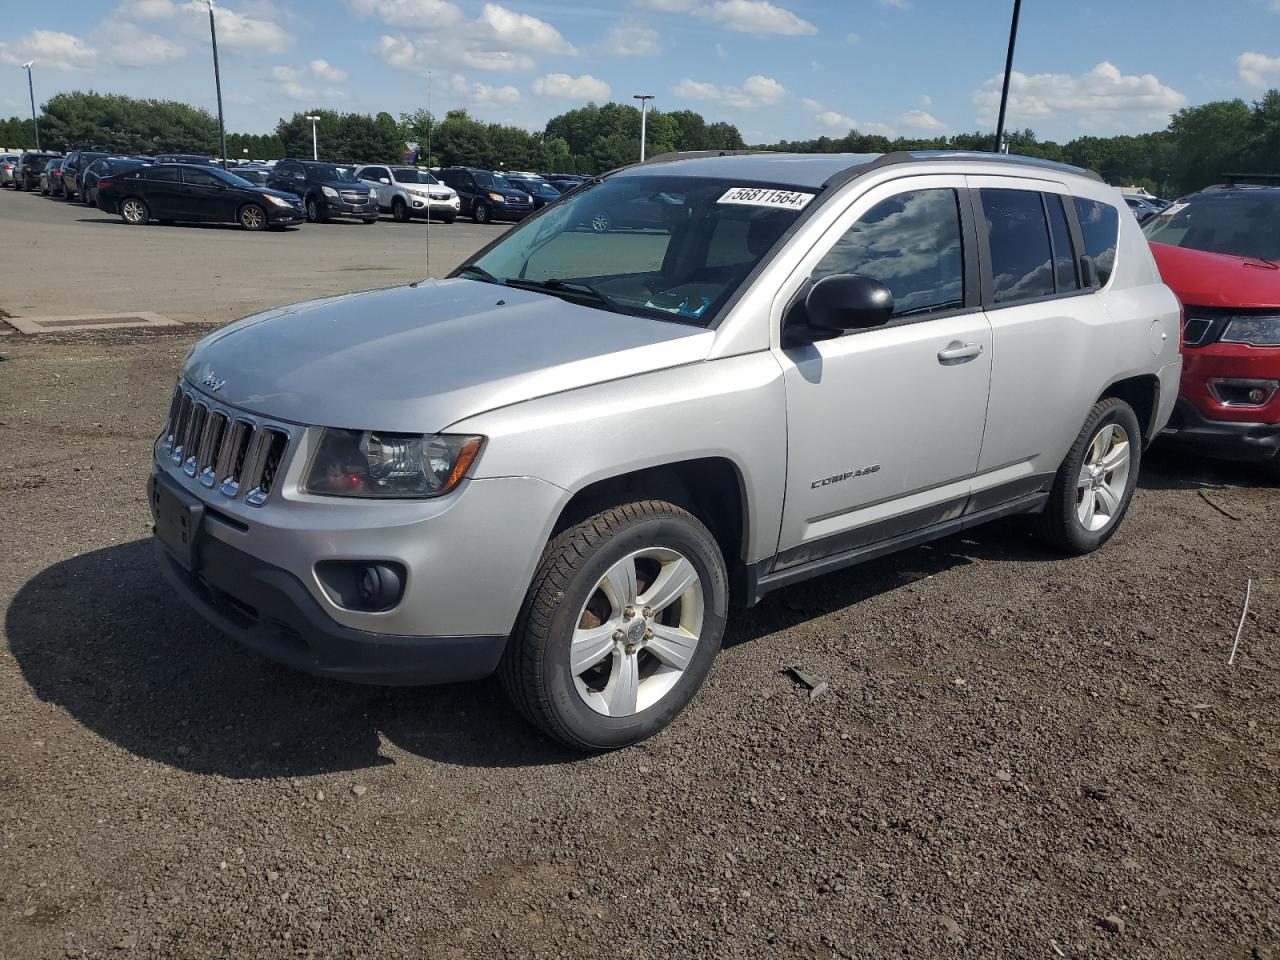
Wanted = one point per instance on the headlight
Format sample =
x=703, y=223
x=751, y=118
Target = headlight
x=278, y=201
x=497, y=198
x=1259, y=331
x=329, y=192
x=351, y=463
x=373, y=194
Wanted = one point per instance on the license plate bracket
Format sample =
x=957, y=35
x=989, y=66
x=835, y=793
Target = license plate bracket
x=179, y=518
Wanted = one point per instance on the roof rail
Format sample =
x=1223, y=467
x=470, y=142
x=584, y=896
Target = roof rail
x=697, y=154
x=915, y=156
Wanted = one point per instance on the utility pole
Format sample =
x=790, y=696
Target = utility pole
x=217, y=82
x=315, y=144
x=32, y=90
x=644, y=99
x=1008, y=71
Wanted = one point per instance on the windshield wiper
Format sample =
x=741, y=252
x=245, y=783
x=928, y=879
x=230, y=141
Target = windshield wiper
x=556, y=285
x=482, y=274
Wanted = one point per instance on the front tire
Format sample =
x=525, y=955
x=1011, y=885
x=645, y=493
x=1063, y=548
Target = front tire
x=134, y=212
x=400, y=211
x=621, y=623
x=480, y=213
x=252, y=217
x=449, y=218
x=1094, y=486
x=313, y=211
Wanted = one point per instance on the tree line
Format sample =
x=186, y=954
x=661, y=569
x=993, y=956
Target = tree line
x=1200, y=144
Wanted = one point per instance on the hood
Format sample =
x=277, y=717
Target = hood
x=282, y=194
x=341, y=185
x=1217, y=279
x=418, y=358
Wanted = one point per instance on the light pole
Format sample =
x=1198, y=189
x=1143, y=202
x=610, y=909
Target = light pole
x=217, y=82
x=1008, y=71
x=315, y=144
x=644, y=99
x=32, y=90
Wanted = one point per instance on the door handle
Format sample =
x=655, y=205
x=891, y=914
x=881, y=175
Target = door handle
x=957, y=352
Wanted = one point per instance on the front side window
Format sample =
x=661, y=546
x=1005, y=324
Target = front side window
x=199, y=178
x=672, y=248
x=1100, y=224
x=1240, y=223
x=910, y=243
x=1021, y=257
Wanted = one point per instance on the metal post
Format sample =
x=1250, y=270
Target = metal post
x=217, y=82
x=1008, y=70
x=315, y=143
x=644, y=99
x=32, y=90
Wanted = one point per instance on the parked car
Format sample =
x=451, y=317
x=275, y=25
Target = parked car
x=7, y=163
x=101, y=169
x=485, y=196
x=407, y=192
x=542, y=192
x=195, y=158
x=193, y=193
x=1144, y=208
x=825, y=358
x=328, y=190
x=26, y=175
x=256, y=174
x=72, y=166
x=567, y=181
x=51, y=178
x=1220, y=252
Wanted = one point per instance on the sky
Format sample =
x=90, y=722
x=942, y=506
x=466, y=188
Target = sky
x=792, y=69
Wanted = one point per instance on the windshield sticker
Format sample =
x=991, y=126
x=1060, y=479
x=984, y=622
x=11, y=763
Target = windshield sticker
x=767, y=197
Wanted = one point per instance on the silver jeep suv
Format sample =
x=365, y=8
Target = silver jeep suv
x=565, y=461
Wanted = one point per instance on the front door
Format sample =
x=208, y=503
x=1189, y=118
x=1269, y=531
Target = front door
x=205, y=197
x=885, y=425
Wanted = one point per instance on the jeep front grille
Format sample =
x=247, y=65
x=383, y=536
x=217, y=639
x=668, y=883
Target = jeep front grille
x=223, y=449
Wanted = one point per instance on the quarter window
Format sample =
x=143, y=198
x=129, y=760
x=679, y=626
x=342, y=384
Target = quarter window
x=910, y=243
x=1100, y=224
x=1018, y=234
x=1064, y=261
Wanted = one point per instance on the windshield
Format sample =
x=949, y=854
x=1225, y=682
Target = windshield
x=1242, y=223
x=413, y=176
x=672, y=248
x=255, y=177
x=538, y=188
x=492, y=180
x=228, y=178
x=331, y=171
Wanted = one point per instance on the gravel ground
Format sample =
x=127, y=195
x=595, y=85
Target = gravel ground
x=1018, y=755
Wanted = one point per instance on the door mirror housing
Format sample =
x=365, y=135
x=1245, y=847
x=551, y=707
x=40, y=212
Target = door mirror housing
x=384, y=181
x=847, y=301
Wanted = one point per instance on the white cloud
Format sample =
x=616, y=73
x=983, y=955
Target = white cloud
x=309, y=83
x=1101, y=99
x=896, y=4
x=852, y=39
x=563, y=86
x=919, y=121
x=433, y=53
x=52, y=49
x=755, y=16
x=926, y=100
x=755, y=91
x=423, y=14
x=628, y=39
x=672, y=6
x=148, y=9
x=833, y=120
x=480, y=94
x=238, y=31
x=128, y=45
x=1257, y=69
x=523, y=32
x=325, y=71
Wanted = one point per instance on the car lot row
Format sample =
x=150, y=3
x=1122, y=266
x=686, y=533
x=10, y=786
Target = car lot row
x=277, y=194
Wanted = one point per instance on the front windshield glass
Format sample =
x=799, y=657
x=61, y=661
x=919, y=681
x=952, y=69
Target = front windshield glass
x=228, y=178
x=255, y=177
x=1242, y=223
x=413, y=176
x=672, y=248
x=485, y=179
x=331, y=171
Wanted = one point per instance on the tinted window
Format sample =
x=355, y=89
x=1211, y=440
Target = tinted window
x=200, y=178
x=1100, y=224
x=167, y=174
x=1064, y=260
x=1021, y=259
x=1242, y=223
x=322, y=172
x=911, y=244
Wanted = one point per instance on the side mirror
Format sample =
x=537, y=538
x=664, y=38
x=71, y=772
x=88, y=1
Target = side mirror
x=384, y=181
x=847, y=301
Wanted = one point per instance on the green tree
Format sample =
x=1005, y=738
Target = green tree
x=1211, y=140
x=126, y=124
x=349, y=137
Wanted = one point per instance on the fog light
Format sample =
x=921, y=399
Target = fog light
x=380, y=586
x=362, y=585
x=1257, y=395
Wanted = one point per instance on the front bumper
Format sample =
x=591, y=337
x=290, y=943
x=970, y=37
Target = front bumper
x=1189, y=429
x=341, y=208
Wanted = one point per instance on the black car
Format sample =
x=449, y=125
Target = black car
x=254, y=173
x=193, y=193
x=542, y=192
x=327, y=189
x=566, y=181
x=73, y=166
x=195, y=158
x=484, y=195
x=101, y=169
x=51, y=176
x=26, y=175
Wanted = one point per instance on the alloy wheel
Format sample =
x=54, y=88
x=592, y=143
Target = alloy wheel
x=133, y=211
x=637, y=633
x=1103, y=479
x=251, y=218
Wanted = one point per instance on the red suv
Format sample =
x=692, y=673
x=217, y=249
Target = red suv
x=1220, y=252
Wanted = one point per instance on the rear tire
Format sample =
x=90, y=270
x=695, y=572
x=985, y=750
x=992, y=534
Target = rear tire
x=584, y=671
x=1095, y=483
x=252, y=217
x=134, y=212
x=480, y=213
x=368, y=220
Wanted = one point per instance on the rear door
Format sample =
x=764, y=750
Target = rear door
x=163, y=185
x=885, y=424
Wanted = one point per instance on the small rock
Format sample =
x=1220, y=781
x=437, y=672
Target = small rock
x=29, y=912
x=1113, y=924
x=319, y=796
x=1004, y=776
x=359, y=789
x=272, y=876
x=958, y=682
x=128, y=943
x=1129, y=863
x=574, y=893
x=952, y=928
x=819, y=690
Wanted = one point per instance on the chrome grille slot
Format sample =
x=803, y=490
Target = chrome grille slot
x=193, y=438
x=180, y=428
x=268, y=456
x=174, y=406
x=210, y=447
x=236, y=450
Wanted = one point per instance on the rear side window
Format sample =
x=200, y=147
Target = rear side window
x=911, y=244
x=167, y=174
x=1021, y=257
x=1064, y=260
x=1100, y=224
